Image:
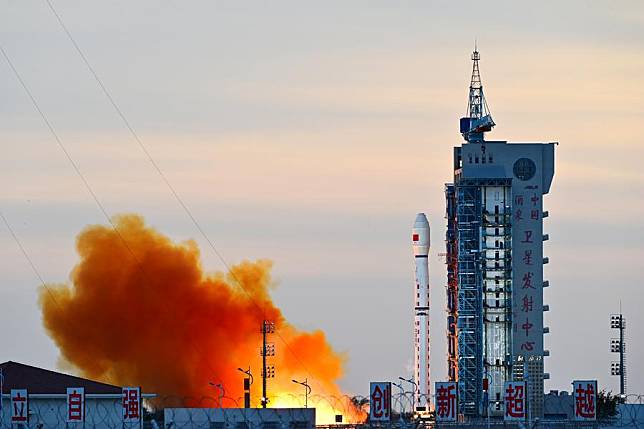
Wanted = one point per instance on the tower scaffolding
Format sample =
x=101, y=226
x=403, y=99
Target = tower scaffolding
x=469, y=320
x=452, y=284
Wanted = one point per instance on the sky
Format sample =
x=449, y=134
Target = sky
x=311, y=133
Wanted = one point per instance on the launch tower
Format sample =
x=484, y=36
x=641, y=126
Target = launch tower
x=495, y=262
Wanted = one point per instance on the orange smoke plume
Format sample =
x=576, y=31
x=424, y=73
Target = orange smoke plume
x=140, y=311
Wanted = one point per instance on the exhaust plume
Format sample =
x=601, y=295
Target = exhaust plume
x=140, y=311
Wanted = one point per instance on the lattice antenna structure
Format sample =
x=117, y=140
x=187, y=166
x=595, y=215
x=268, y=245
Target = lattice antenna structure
x=478, y=119
x=268, y=349
x=618, y=345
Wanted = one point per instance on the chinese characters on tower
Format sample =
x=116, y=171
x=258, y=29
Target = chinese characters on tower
x=528, y=274
x=380, y=402
x=585, y=396
x=445, y=402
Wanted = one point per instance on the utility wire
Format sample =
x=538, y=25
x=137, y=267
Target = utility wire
x=29, y=260
x=134, y=134
x=69, y=158
x=53, y=132
x=67, y=154
x=31, y=264
x=139, y=264
x=174, y=193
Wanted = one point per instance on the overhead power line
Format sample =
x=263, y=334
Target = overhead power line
x=119, y=112
x=142, y=146
x=139, y=265
x=29, y=260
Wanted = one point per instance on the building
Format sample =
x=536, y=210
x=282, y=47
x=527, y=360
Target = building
x=494, y=244
x=47, y=404
x=240, y=418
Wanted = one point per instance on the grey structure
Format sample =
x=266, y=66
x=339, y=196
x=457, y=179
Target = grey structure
x=240, y=418
x=495, y=263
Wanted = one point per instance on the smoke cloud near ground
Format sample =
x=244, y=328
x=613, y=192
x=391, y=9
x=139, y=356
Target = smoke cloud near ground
x=140, y=310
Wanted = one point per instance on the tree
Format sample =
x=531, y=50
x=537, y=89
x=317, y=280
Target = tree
x=359, y=402
x=606, y=405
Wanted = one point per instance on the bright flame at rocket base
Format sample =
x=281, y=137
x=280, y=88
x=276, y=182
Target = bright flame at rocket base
x=140, y=311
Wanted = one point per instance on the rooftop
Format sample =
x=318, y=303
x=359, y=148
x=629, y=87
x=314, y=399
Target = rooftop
x=39, y=380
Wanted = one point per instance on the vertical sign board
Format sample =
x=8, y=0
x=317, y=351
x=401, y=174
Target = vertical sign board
x=527, y=254
x=75, y=405
x=131, y=404
x=380, y=401
x=585, y=396
x=445, y=401
x=19, y=406
x=514, y=400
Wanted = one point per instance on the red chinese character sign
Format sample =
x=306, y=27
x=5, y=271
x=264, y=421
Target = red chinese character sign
x=75, y=404
x=514, y=400
x=445, y=402
x=131, y=404
x=585, y=395
x=380, y=402
x=19, y=406
x=527, y=268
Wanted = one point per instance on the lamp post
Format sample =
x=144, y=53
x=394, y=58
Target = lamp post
x=414, y=393
x=428, y=401
x=248, y=373
x=402, y=404
x=247, y=383
x=307, y=390
x=221, y=389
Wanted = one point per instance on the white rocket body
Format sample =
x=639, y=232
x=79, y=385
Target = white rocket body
x=420, y=243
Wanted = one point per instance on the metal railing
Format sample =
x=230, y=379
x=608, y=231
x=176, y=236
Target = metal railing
x=169, y=413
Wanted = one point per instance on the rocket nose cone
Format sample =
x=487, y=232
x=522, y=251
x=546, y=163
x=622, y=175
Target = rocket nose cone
x=421, y=221
x=420, y=235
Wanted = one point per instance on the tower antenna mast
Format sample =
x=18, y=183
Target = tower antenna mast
x=479, y=119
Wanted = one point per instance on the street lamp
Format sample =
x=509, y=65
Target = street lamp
x=307, y=390
x=248, y=381
x=428, y=401
x=248, y=373
x=402, y=393
x=414, y=393
x=222, y=390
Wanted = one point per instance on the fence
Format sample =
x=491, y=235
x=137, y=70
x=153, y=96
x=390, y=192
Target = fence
x=220, y=413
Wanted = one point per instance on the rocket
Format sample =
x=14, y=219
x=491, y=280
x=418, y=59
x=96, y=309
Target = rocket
x=420, y=244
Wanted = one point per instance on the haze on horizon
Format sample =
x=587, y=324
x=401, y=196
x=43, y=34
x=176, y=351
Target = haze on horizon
x=312, y=135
